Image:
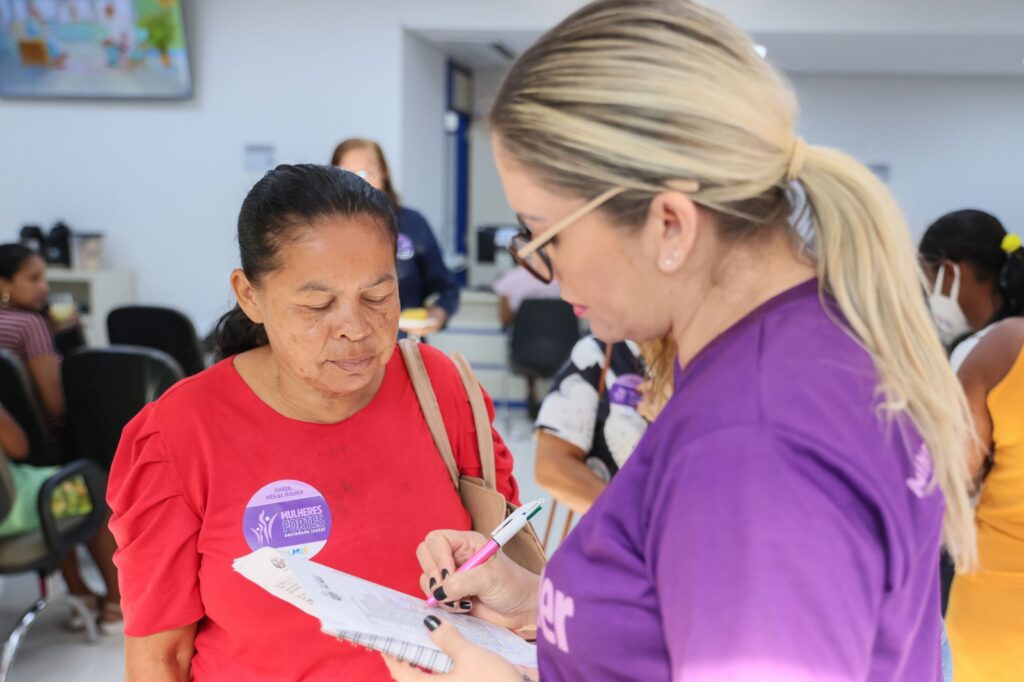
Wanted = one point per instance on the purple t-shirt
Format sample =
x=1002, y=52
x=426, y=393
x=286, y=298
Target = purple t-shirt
x=770, y=526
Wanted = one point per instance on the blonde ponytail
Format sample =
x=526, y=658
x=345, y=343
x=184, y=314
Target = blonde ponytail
x=867, y=262
x=644, y=93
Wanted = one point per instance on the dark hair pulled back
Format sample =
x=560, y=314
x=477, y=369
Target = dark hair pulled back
x=13, y=258
x=980, y=239
x=288, y=199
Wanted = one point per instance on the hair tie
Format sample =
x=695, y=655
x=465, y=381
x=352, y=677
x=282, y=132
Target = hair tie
x=1011, y=244
x=796, y=160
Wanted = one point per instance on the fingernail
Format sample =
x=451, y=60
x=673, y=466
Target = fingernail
x=433, y=581
x=439, y=594
x=465, y=605
x=450, y=604
x=444, y=574
x=432, y=622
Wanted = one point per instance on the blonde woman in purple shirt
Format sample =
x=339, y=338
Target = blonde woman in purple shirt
x=782, y=518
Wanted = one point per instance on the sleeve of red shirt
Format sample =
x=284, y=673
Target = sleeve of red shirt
x=458, y=417
x=38, y=341
x=156, y=532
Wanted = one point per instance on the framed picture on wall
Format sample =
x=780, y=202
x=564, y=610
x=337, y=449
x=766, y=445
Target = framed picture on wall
x=120, y=49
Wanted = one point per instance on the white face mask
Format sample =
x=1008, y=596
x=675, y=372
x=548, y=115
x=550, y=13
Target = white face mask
x=946, y=311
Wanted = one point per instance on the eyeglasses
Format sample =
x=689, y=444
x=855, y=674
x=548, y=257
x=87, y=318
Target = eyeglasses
x=531, y=254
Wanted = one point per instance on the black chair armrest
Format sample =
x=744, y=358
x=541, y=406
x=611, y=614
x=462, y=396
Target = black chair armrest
x=95, y=482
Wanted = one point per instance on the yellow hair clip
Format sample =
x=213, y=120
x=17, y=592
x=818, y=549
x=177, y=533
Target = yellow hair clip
x=1011, y=243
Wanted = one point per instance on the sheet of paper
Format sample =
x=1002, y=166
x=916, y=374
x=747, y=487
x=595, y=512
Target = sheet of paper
x=266, y=568
x=356, y=609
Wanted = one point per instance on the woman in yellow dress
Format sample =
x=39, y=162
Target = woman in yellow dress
x=985, y=618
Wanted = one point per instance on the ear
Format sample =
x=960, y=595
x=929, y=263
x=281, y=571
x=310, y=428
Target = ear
x=673, y=221
x=245, y=292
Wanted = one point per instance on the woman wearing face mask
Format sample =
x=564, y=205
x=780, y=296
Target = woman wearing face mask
x=985, y=617
x=422, y=273
x=311, y=417
x=781, y=517
x=975, y=274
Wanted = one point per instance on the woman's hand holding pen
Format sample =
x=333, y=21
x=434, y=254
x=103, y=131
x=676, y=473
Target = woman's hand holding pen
x=499, y=590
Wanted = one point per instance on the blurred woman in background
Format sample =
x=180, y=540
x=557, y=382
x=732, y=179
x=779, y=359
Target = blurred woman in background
x=422, y=275
x=985, y=617
x=598, y=408
x=975, y=273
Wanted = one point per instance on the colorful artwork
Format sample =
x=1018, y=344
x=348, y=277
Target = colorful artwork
x=93, y=49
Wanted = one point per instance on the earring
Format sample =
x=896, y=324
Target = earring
x=6, y=298
x=671, y=259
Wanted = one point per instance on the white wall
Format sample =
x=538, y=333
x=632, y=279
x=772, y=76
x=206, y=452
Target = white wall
x=164, y=179
x=424, y=83
x=951, y=143
x=487, y=204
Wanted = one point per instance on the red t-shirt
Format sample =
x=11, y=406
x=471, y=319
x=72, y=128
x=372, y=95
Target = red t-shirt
x=210, y=472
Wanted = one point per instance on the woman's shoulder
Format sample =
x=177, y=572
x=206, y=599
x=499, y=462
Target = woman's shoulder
x=411, y=221
x=995, y=353
x=24, y=319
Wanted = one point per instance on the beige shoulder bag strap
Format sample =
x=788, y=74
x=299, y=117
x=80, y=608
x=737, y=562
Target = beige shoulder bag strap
x=428, y=404
x=481, y=419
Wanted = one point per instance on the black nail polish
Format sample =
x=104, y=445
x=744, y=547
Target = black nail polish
x=439, y=594
x=450, y=604
x=465, y=605
x=432, y=622
x=433, y=581
x=444, y=574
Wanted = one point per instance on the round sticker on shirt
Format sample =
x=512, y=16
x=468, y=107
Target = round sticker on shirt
x=406, y=249
x=291, y=516
x=626, y=390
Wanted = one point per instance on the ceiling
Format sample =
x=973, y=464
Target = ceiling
x=980, y=55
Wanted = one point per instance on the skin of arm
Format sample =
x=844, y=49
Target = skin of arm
x=12, y=437
x=987, y=365
x=162, y=657
x=505, y=313
x=45, y=373
x=560, y=470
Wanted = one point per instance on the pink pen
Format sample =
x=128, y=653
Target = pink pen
x=514, y=523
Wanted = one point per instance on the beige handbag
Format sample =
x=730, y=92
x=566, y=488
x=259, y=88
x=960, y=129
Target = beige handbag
x=486, y=506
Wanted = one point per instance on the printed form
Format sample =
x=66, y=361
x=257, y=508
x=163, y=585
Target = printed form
x=371, y=615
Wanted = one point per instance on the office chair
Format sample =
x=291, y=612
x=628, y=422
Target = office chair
x=160, y=328
x=105, y=388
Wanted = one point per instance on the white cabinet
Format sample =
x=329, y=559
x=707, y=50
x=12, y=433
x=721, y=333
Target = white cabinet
x=96, y=294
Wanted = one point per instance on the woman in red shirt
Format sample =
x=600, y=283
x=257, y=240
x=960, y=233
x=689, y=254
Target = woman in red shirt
x=308, y=437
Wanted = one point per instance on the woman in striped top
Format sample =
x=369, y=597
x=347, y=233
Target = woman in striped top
x=25, y=332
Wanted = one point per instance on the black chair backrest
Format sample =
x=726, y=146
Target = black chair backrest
x=543, y=334
x=105, y=388
x=161, y=328
x=18, y=396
